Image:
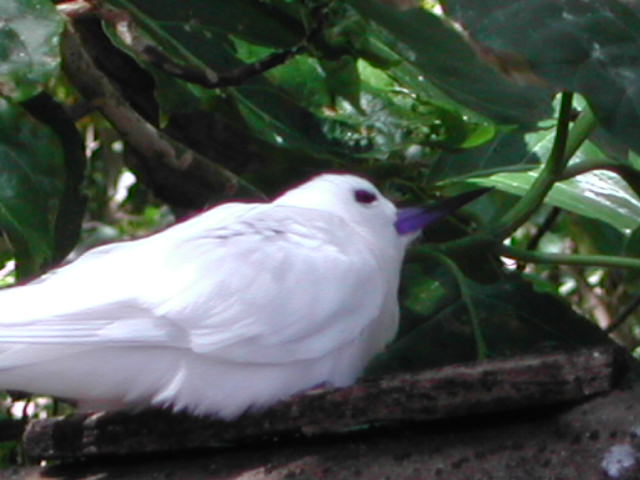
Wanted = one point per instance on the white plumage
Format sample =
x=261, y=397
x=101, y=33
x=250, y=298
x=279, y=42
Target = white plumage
x=231, y=310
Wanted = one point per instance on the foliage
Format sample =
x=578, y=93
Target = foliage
x=212, y=99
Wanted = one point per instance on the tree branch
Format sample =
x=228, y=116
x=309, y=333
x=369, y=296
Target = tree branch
x=142, y=136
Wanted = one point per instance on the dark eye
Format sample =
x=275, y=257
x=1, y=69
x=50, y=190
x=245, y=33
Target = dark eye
x=364, y=196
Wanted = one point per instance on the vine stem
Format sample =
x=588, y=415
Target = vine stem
x=582, y=128
x=481, y=345
x=568, y=259
x=550, y=173
x=565, y=145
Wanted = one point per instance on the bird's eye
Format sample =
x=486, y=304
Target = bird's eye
x=364, y=196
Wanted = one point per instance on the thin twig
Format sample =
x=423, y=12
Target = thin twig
x=624, y=315
x=540, y=232
x=596, y=306
x=548, y=222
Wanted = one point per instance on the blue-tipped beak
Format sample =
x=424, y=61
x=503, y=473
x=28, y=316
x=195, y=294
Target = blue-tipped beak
x=411, y=220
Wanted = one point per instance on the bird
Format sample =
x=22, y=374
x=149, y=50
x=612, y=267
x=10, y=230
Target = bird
x=224, y=313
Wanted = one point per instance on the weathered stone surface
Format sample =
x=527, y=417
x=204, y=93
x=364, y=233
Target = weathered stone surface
x=551, y=443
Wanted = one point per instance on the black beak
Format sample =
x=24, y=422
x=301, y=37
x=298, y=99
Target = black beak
x=411, y=220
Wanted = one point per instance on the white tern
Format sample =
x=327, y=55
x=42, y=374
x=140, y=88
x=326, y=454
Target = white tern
x=226, y=312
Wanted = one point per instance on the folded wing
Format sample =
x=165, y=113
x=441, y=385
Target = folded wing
x=276, y=286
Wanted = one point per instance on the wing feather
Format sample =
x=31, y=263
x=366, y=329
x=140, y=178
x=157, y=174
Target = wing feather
x=288, y=287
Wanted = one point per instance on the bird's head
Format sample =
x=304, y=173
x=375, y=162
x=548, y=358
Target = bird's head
x=362, y=205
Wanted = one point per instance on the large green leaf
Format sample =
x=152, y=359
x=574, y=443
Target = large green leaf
x=599, y=194
x=200, y=33
x=261, y=23
x=443, y=57
x=275, y=117
x=31, y=182
x=514, y=319
x=29, y=37
x=588, y=47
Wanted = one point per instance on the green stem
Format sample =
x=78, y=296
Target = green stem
x=564, y=147
x=568, y=259
x=580, y=131
x=582, y=128
x=551, y=171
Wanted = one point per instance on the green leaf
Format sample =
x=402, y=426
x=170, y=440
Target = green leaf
x=275, y=117
x=514, y=319
x=198, y=32
x=343, y=79
x=29, y=37
x=514, y=150
x=444, y=58
x=301, y=78
x=510, y=150
x=588, y=47
x=31, y=182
